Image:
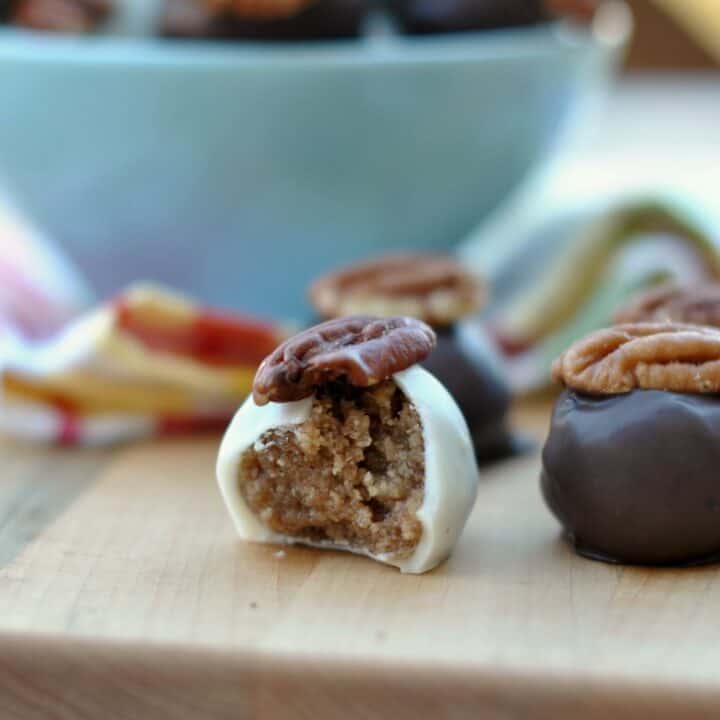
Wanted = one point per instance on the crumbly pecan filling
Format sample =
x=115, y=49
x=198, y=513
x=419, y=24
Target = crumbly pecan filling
x=353, y=473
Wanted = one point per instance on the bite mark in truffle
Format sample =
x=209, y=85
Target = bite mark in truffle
x=352, y=473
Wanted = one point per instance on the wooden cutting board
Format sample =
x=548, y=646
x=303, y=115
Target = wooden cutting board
x=124, y=593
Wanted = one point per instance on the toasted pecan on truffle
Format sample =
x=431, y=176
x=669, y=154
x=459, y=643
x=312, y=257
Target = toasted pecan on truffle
x=699, y=305
x=362, y=350
x=647, y=356
x=434, y=288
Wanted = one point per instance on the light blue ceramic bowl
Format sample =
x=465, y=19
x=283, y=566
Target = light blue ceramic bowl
x=238, y=172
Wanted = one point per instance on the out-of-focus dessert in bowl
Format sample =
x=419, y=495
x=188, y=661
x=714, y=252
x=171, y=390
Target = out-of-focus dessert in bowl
x=442, y=16
x=265, y=20
x=287, y=19
x=67, y=16
x=323, y=151
x=439, y=291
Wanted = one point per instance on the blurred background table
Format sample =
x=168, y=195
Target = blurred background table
x=657, y=132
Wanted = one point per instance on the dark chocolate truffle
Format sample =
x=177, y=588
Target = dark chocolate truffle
x=445, y=16
x=478, y=386
x=633, y=478
x=440, y=291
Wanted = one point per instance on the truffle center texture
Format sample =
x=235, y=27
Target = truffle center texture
x=351, y=474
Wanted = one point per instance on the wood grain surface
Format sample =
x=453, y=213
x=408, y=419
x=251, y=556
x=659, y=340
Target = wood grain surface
x=124, y=593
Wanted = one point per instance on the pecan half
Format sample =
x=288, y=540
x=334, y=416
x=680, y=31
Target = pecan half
x=434, y=288
x=362, y=350
x=699, y=305
x=648, y=356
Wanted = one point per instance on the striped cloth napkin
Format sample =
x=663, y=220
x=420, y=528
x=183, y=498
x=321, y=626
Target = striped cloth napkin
x=39, y=290
x=575, y=268
x=147, y=363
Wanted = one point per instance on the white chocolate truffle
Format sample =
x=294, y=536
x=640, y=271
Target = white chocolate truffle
x=448, y=488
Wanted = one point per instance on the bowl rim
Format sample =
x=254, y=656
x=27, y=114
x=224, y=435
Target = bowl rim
x=606, y=36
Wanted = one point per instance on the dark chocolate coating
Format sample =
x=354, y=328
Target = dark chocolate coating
x=635, y=478
x=481, y=394
x=324, y=20
x=444, y=16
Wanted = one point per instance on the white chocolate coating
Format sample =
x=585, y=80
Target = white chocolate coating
x=451, y=475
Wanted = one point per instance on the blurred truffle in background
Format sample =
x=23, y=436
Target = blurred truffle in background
x=289, y=19
x=269, y=20
x=422, y=17
x=441, y=292
x=576, y=270
x=70, y=16
x=668, y=33
x=440, y=16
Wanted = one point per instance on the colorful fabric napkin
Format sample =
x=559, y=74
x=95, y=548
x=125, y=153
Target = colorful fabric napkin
x=574, y=269
x=39, y=289
x=147, y=363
